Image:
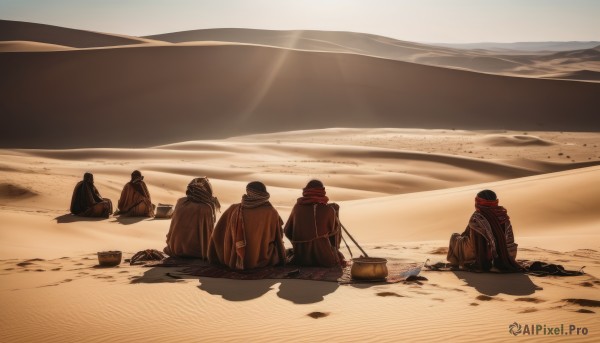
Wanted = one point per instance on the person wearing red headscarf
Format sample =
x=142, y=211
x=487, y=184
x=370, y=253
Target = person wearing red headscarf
x=488, y=241
x=314, y=229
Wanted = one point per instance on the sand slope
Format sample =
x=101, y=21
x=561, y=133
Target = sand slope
x=210, y=92
x=387, y=181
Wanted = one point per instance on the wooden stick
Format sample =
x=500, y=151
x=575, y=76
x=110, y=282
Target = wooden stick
x=353, y=240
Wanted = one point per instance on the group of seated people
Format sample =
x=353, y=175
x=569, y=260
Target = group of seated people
x=249, y=234
x=134, y=201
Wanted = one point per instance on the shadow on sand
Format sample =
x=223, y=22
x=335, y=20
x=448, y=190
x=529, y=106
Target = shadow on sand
x=124, y=220
x=494, y=283
x=71, y=218
x=296, y=291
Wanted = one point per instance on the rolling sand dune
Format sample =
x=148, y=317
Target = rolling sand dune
x=22, y=46
x=528, y=59
x=524, y=46
x=209, y=92
x=49, y=34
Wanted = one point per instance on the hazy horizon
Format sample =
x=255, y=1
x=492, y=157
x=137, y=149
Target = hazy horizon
x=435, y=21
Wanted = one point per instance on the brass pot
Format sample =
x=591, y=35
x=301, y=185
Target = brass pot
x=109, y=258
x=369, y=268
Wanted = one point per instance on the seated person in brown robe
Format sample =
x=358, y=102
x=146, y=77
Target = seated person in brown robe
x=193, y=221
x=86, y=200
x=248, y=235
x=314, y=229
x=488, y=241
x=135, y=198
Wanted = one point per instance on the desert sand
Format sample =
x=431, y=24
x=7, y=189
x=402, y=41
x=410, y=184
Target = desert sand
x=190, y=107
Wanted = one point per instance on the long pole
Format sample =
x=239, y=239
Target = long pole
x=353, y=240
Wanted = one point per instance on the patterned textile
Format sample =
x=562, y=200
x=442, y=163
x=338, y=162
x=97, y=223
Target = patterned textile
x=255, y=198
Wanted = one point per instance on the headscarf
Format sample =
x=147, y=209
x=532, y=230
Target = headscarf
x=491, y=207
x=498, y=219
x=88, y=177
x=256, y=195
x=136, y=176
x=313, y=193
x=199, y=190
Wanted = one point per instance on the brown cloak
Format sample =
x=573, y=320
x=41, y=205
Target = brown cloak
x=263, y=238
x=315, y=233
x=191, y=227
x=87, y=202
x=135, y=200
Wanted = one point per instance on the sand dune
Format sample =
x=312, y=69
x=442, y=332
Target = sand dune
x=523, y=46
x=22, y=46
x=370, y=172
x=209, y=92
x=536, y=59
x=49, y=34
x=527, y=59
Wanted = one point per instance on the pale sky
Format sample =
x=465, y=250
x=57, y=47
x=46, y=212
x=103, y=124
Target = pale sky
x=451, y=21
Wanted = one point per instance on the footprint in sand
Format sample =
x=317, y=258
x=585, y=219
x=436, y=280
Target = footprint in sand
x=389, y=294
x=583, y=302
x=586, y=284
x=56, y=269
x=439, y=251
x=483, y=297
x=473, y=304
x=317, y=315
x=529, y=310
x=583, y=310
x=531, y=300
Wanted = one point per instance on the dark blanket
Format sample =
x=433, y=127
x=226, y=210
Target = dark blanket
x=536, y=268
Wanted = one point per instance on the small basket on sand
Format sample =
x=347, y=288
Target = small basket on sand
x=164, y=211
x=109, y=258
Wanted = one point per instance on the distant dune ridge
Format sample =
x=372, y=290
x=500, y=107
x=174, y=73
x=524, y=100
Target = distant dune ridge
x=141, y=92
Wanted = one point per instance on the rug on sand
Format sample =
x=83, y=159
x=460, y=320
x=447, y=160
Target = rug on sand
x=397, y=271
